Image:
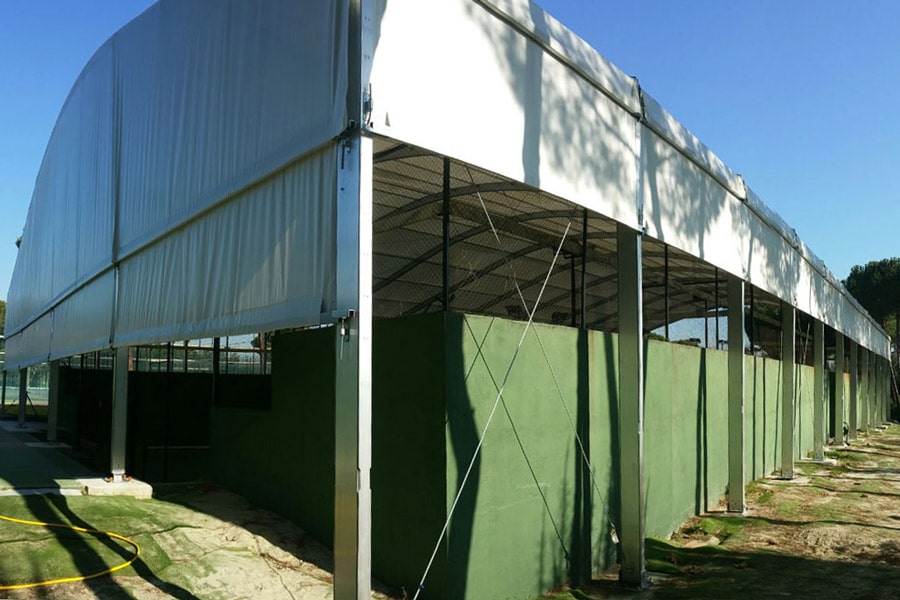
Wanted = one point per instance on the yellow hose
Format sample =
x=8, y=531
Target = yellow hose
x=22, y=586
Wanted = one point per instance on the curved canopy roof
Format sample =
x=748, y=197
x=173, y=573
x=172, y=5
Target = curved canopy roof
x=189, y=186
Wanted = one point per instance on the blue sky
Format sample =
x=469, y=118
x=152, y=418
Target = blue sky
x=43, y=46
x=800, y=97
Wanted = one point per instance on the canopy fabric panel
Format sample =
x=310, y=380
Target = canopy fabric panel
x=193, y=167
x=81, y=323
x=192, y=113
x=485, y=93
x=263, y=261
x=502, y=85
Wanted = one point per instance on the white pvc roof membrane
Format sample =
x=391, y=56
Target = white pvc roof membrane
x=188, y=189
x=502, y=85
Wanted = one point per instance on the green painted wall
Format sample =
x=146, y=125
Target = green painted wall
x=409, y=481
x=762, y=411
x=529, y=501
x=283, y=458
x=531, y=515
x=685, y=433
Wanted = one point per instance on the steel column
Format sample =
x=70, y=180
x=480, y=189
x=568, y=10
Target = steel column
x=718, y=306
x=854, y=391
x=445, y=230
x=666, y=288
x=820, y=396
x=353, y=373
x=117, y=442
x=876, y=391
x=736, y=501
x=788, y=346
x=23, y=395
x=631, y=406
x=584, y=235
x=864, y=390
x=353, y=330
x=837, y=419
x=53, y=401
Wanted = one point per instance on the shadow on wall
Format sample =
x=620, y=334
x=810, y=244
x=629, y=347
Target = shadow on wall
x=529, y=487
x=566, y=123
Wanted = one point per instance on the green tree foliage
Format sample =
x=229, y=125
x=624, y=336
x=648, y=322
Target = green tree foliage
x=2, y=316
x=877, y=287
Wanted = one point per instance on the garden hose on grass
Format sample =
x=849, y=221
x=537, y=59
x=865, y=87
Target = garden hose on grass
x=109, y=534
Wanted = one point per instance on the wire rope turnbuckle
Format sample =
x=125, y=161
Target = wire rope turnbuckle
x=343, y=320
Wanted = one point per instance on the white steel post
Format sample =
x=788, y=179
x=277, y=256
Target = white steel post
x=820, y=396
x=854, y=389
x=353, y=330
x=631, y=406
x=117, y=444
x=788, y=345
x=353, y=374
x=23, y=396
x=837, y=419
x=864, y=394
x=736, y=500
x=53, y=401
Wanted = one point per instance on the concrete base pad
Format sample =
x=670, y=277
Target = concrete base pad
x=824, y=461
x=47, y=445
x=101, y=487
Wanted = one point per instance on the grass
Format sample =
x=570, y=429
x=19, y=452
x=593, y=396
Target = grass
x=804, y=538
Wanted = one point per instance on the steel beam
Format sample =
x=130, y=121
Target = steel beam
x=117, y=444
x=53, y=402
x=837, y=419
x=631, y=407
x=788, y=347
x=854, y=391
x=736, y=500
x=820, y=396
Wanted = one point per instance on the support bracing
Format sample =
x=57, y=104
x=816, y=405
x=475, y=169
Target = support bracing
x=788, y=348
x=631, y=407
x=736, y=500
x=820, y=396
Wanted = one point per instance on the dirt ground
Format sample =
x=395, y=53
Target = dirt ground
x=206, y=543
x=832, y=532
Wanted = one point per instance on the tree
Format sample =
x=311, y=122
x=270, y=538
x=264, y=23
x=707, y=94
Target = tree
x=877, y=287
x=2, y=316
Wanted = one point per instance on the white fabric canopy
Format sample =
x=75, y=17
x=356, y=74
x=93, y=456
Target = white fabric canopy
x=188, y=187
